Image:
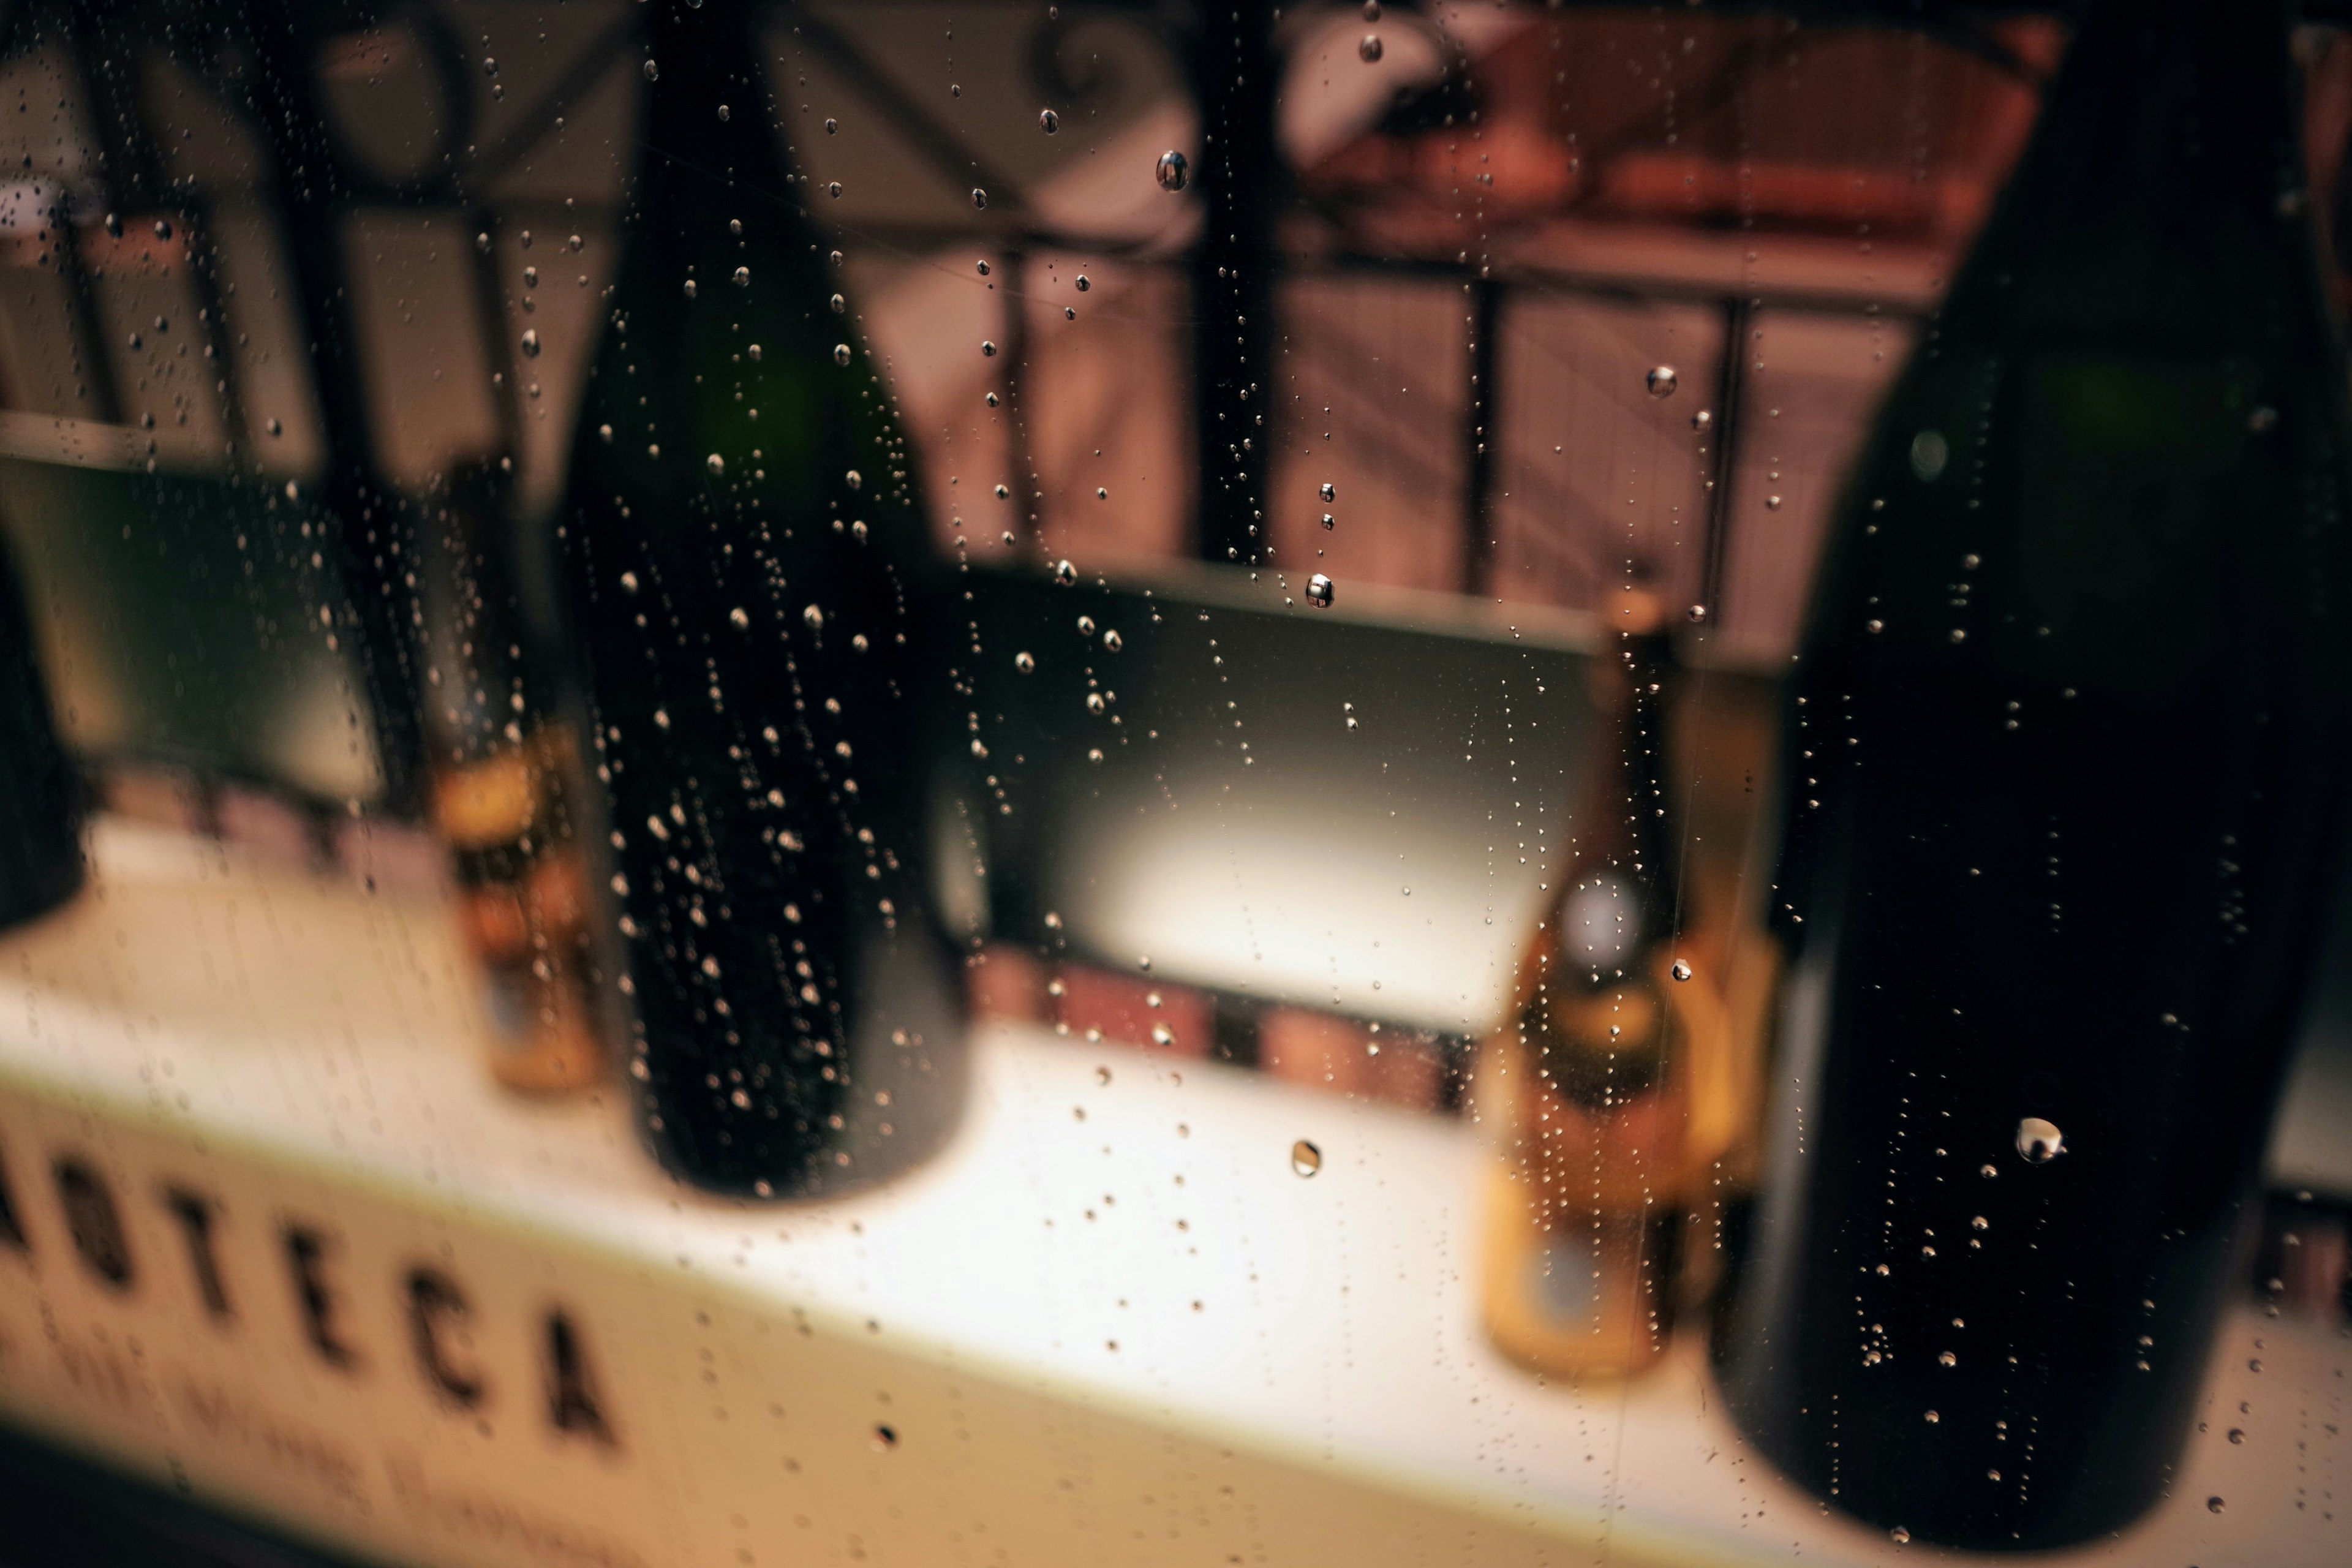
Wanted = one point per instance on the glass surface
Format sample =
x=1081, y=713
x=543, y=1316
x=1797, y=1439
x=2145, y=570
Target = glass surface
x=1035, y=782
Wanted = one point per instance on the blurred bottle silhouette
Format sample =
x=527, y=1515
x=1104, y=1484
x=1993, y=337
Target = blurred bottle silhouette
x=2064, y=765
x=505, y=788
x=40, y=790
x=746, y=561
x=1609, y=1095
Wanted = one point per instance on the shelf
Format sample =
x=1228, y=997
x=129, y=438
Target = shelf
x=999, y=1359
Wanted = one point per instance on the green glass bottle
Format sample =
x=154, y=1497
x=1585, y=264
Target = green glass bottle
x=744, y=551
x=2066, y=755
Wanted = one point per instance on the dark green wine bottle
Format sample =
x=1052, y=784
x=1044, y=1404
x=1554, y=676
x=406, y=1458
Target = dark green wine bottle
x=2065, y=756
x=744, y=552
x=40, y=791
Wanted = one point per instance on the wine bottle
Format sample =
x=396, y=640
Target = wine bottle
x=1606, y=1090
x=40, y=791
x=2064, y=750
x=503, y=766
x=744, y=552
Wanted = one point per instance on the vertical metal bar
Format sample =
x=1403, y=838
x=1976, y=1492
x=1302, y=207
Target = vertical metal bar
x=371, y=520
x=1720, y=446
x=1232, y=274
x=1481, y=434
x=1018, y=452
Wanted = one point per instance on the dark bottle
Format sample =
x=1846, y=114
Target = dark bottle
x=744, y=549
x=2063, y=773
x=40, y=790
x=1606, y=1097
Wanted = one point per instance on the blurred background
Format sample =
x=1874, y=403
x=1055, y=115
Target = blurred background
x=1538, y=302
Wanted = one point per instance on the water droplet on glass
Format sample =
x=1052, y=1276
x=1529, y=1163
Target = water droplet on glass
x=1329, y=491
x=1306, y=1159
x=1988, y=1172
x=1162, y=1035
x=628, y=582
x=162, y=228
x=1681, y=969
x=653, y=71
x=1174, y=170
x=2237, y=1434
x=1772, y=503
x=1113, y=641
x=834, y=190
x=1048, y=122
x=2040, y=1142
x=1661, y=381
x=1319, y=590
x=1701, y=420
x=1368, y=47
x=1330, y=521
x=886, y=1438
x=2262, y=419
x=275, y=428
x=576, y=243
x=841, y=353
x=1025, y=663
x=1065, y=573
x=2214, y=1505
x=689, y=288
x=752, y=353
x=987, y=348
x=715, y=463
x=1094, y=703
x=1929, y=453
x=979, y=197
x=838, y=304
x=742, y=278
x=741, y=618
x=1948, y=1359
x=854, y=480
x=1900, y=1536
x=814, y=616
x=1084, y=283
x=831, y=127
x=1933, y=1418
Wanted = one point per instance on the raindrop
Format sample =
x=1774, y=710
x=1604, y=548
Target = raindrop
x=1306, y=1159
x=741, y=618
x=841, y=353
x=629, y=582
x=1113, y=641
x=1772, y=503
x=717, y=464
x=752, y=353
x=1094, y=703
x=1929, y=452
x=1696, y=614
x=742, y=278
x=1681, y=969
x=653, y=71
x=854, y=480
x=2237, y=1434
x=576, y=243
x=979, y=197
x=987, y=348
x=2214, y=1505
x=2040, y=1142
x=1948, y=1359
x=1701, y=420
x=1025, y=663
x=530, y=343
x=982, y=264
x=1173, y=171
x=1329, y=491
x=1330, y=521
x=1162, y=1035
x=839, y=304
x=1319, y=590
x=834, y=190
x=1988, y=1172
x=1900, y=1536
x=1372, y=10
x=1065, y=573
x=1368, y=47
x=162, y=228
x=1086, y=625
x=275, y=428
x=1979, y=1222
x=689, y=287
x=2262, y=419
x=831, y=127
x=886, y=1438
x=1083, y=283
x=1048, y=122
x=1661, y=381
x=1933, y=1418
x=814, y=617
